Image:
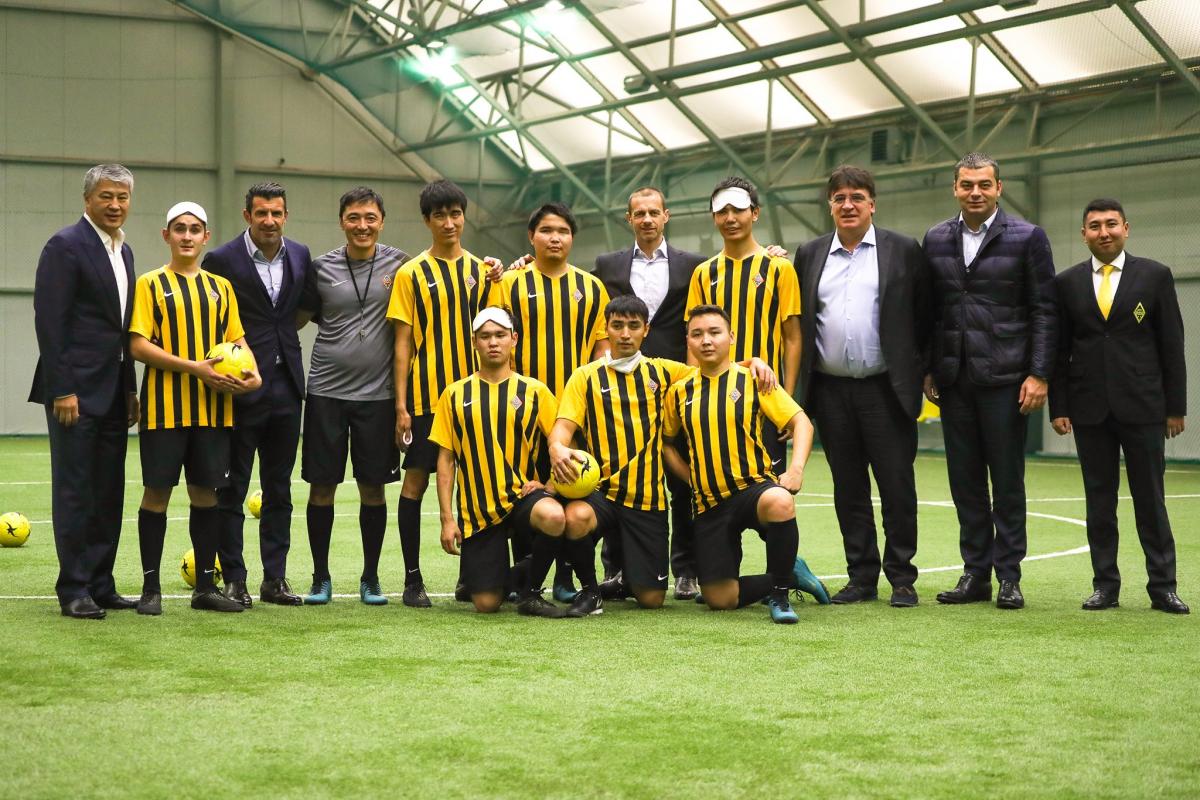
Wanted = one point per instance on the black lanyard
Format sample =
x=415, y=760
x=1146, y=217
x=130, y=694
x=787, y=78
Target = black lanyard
x=362, y=298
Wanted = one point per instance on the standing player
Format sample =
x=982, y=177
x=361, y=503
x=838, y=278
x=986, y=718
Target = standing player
x=179, y=313
x=268, y=272
x=434, y=298
x=351, y=409
x=760, y=293
x=490, y=427
x=559, y=313
x=617, y=401
x=722, y=413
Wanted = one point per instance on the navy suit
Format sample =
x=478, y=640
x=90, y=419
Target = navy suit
x=994, y=325
x=83, y=342
x=1117, y=380
x=667, y=339
x=266, y=421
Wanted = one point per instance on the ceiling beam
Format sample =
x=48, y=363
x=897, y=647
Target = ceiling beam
x=1158, y=43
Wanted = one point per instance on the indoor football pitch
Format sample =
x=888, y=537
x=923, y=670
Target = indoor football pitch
x=359, y=702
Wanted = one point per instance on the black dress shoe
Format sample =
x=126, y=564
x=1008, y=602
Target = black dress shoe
x=115, y=602
x=236, y=591
x=903, y=597
x=1010, y=595
x=83, y=608
x=853, y=593
x=1101, y=600
x=686, y=587
x=277, y=591
x=1169, y=603
x=970, y=589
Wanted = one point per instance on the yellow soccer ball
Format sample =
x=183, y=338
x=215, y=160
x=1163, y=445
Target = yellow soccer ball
x=254, y=504
x=585, y=483
x=234, y=359
x=14, y=529
x=187, y=568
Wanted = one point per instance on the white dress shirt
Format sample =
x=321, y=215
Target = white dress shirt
x=1113, y=279
x=112, y=246
x=973, y=240
x=650, y=277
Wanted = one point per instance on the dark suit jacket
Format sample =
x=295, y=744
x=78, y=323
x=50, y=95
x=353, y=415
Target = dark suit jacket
x=1130, y=365
x=83, y=338
x=904, y=314
x=270, y=329
x=667, y=337
x=996, y=315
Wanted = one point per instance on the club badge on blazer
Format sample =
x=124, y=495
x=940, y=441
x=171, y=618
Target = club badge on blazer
x=1139, y=313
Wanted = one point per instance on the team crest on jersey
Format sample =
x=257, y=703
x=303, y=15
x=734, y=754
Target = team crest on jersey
x=758, y=280
x=214, y=294
x=516, y=402
x=735, y=395
x=387, y=281
x=471, y=281
x=578, y=295
x=653, y=386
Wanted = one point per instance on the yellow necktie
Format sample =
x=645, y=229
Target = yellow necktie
x=1105, y=295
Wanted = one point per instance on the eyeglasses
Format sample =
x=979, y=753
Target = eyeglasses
x=858, y=199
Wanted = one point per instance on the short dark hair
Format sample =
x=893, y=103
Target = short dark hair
x=627, y=305
x=643, y=190
x=848, y=176
x=360, y=194
x=735, y=182
x=558, y=210
x=268, y=190
x=706, y=309
x=977, y=161
x=442, y=195
x=1103, y=204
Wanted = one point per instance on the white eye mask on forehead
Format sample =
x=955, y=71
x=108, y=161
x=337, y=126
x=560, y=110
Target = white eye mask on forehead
x=734, y=196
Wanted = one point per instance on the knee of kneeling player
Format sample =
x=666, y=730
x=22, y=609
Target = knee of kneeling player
x=487, y=603
x=650, y=598
x=548, y=517
x=776, y=505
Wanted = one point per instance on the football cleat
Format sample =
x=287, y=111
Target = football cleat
x=320, y=593
x=806, y=581
x=535, y=606
x=415, y=596
x=586, y=603
x=371, y=593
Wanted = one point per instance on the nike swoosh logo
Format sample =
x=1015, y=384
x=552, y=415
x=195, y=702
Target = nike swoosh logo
x=167, y=294
x=606, y=390
x=532, y=295
x=209, y=571
x=149, y=571
x=339, y=283
x=776, y=461
x=689, y=402
x=662, y=577
x=469, y=402
x=431, y=285
x=714, y=283
x=411, y=571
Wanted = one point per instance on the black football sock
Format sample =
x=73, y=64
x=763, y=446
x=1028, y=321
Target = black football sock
x=203, y=526
x=752, y=588
x=518, y=577
x=521, y=542
x=582, y=555
x=562, y=572
x=320, y=530
x=372, y=523
x=408, y=519
x=783, y=539
x=545, y=549
x=152, y=530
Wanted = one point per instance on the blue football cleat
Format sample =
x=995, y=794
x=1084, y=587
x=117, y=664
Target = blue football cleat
x=371, y=593
x=320, y=593
x=781, y=610
x=806, y=581
x=564, y=593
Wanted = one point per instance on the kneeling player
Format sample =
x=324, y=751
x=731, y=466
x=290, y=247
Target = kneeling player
x=179, y=312
x=490, y=428
x=617, y=401
x=721, y=411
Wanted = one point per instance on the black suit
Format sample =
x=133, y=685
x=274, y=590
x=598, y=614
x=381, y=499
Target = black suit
x=1117, y=380
x=83, y=341
x=666, y=339
x=266, y=420
x=869, y=422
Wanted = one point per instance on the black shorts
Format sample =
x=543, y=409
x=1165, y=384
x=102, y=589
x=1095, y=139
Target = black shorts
x=421, y=453
x=485, y=559
x=644, y=540
x=363, y=429
x=719, y=531
x=775, y=448
x=202, y=451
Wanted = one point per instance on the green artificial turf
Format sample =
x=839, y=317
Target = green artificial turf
x=358, y=702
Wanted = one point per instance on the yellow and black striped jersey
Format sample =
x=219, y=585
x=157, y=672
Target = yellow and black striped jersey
x=186, y=316
x=722, y=419
x=438, y=299
x=560, y=320
x=496, y=431
x=620, y=416
x=759, y=293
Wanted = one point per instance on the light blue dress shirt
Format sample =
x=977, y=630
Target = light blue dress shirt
x=973, y=240
x=848, y=311
x=270, y=272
